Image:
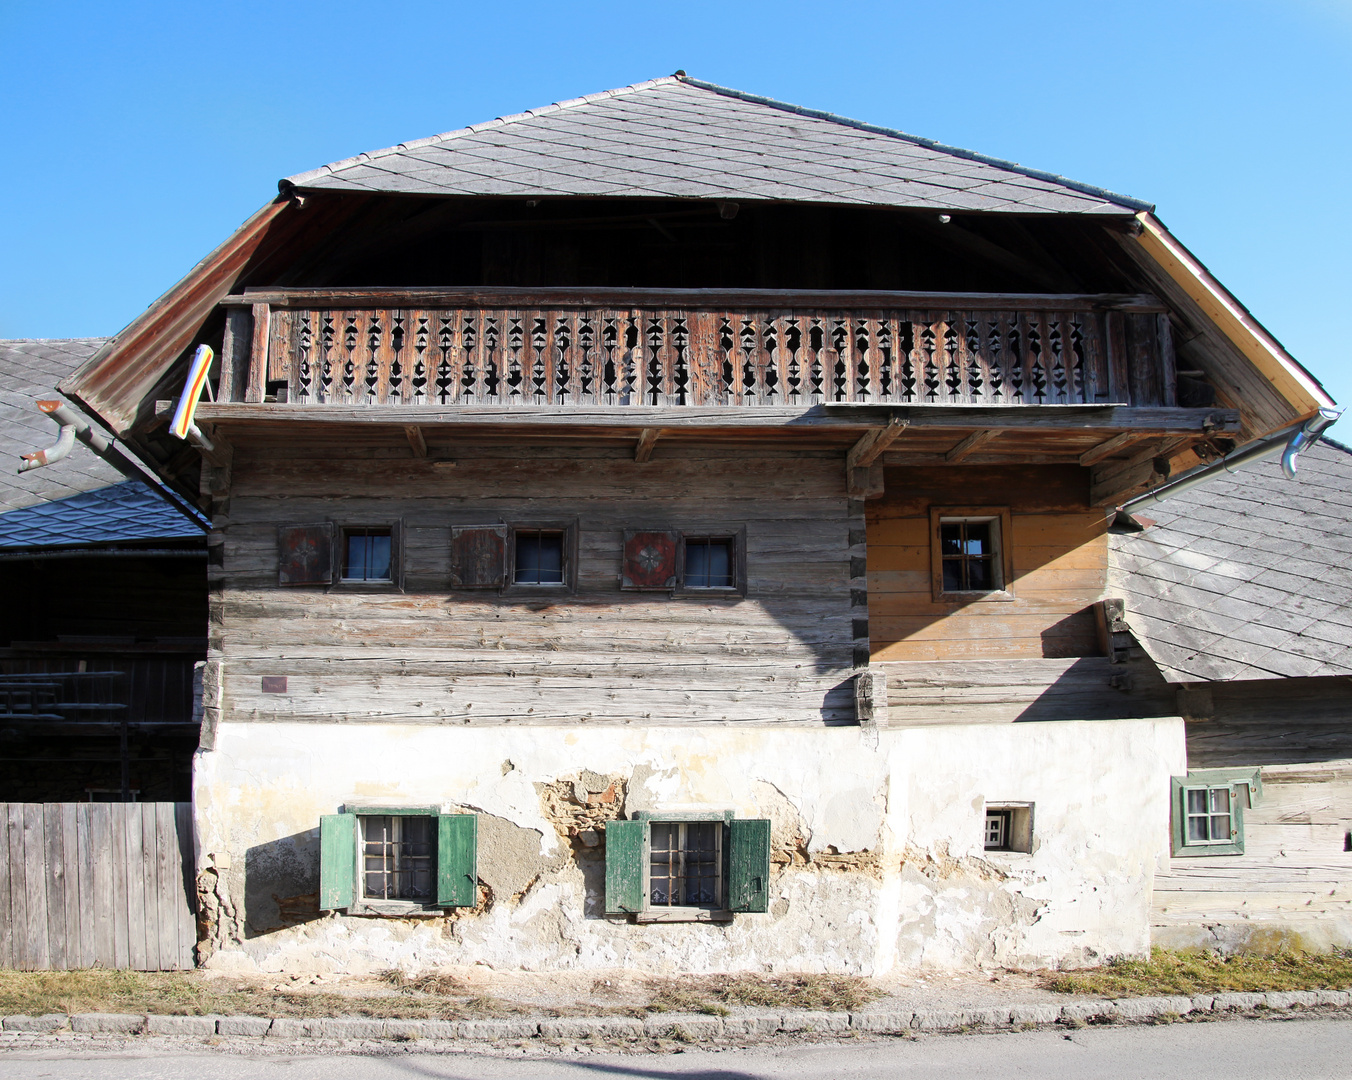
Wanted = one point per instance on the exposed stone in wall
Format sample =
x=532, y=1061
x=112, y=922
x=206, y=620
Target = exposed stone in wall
x=509, y=858
x=939, y=865
x=578, y=807
x=219, y=923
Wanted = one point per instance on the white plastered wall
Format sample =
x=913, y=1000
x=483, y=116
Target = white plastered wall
x=908, y=802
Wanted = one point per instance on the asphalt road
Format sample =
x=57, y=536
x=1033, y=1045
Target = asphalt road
x=1231, y=1050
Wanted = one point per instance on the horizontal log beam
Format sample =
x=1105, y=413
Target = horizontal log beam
x=694, y=298
x=632, y=419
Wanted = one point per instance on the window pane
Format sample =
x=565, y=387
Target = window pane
x=979, y=574
x=1220, y=800
x=953, y=575
x=708, y=564
x=978, y=538
x=368, y=555
x=1197, y=803
x=701, y=869
x=539, y=558
x=1220, y=827
x=950, y=539
x=398, y=857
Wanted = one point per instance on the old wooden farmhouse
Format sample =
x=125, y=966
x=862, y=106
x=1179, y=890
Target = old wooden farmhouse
x=670, y=529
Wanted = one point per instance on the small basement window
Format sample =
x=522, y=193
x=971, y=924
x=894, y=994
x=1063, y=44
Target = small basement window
x=398, y=857
x=367, y=554
x=539, y=557
x=709, y=563
x=1009, y=827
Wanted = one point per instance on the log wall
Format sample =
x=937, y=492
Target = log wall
x=1292, y=885
x=782, y=654
x=1060, y=556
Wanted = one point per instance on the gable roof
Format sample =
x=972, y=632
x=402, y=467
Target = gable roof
x=29, y=370
x=1248, y=576
x=120, y=513
x=679, y=137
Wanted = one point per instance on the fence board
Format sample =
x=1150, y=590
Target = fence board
x=54, y=877
x=34, y=858
x=85, y=882
x=106, y=884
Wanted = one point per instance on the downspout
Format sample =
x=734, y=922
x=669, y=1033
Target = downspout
x=74, y=426
x=1289, y=442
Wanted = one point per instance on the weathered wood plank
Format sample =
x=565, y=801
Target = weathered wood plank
x=7, y=955
x=149, y=873
x=187, y=888
x=168, y=885
x=70, y=875
x=36, y=955
x=87, y=888
x=134, y=867
x=121, y=906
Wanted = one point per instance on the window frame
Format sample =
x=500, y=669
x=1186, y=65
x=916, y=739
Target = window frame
x=1210, y=780
x=362, y=904
x=718, y=912
x=1019, y=822
x=342, y=531
x=1003, y=560
x=735, y=537
x=569, y=530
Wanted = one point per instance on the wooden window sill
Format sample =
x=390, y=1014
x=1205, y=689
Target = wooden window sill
x=995, y=596
x=403, y=909
x=677, y=914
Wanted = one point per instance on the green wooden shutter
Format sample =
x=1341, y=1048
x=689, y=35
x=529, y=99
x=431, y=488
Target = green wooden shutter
x=624, y=865
x=457, y=860
x=337, y=861
x=749, y=864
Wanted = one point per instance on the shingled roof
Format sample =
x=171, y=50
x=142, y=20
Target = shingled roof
x=29, y=369
x=1248, y=576
x=678, y=137
x=122, y=513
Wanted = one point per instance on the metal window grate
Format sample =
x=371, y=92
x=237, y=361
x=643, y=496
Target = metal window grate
x=968, y=552
x=685, y=864
x=539, y=557
x=366, y=554
x=398, y=860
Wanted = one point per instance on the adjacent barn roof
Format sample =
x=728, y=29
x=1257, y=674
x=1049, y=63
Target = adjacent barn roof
x=29, y=369
x=1248, y=576
x=682, y=138
x=122, y=513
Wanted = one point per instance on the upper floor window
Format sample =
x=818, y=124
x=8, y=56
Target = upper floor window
x=969, y=554
x=708, y=563
x=539, y=557
x=367, y=554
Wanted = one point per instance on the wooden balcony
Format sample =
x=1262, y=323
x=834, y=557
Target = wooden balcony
x=673, y=349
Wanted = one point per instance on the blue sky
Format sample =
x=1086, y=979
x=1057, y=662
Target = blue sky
x=138, y=135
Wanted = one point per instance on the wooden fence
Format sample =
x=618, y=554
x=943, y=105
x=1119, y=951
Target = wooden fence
x=96, y=885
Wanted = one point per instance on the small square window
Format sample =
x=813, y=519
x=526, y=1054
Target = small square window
x=708, y=563
x=1009, y=827
x=968, y=555
x=685, y=864
x=539, y=557
x=1208, y=812
x=367, y=554
x=398, y=857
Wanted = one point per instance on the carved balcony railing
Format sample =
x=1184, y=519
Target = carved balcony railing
x=620, y=349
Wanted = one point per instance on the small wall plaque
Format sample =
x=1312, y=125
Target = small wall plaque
x=274, y=684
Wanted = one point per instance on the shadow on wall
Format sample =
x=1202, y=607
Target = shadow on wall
x=281, y=883
x=1093, y=688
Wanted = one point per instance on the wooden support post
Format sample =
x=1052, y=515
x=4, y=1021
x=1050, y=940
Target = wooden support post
x=646, y=441
x=1095, y=454
x=977, y=438
x=415, y=440
x=258, y=358
x=871, y=447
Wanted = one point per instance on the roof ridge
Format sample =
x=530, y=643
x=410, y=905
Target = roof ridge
x=17, y=340
x=471, y=129
x=931, y=144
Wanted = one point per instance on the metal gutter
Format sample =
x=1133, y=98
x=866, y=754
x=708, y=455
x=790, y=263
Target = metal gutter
x=1289, y=442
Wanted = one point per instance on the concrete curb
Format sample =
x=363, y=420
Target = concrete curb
x=687, y=1028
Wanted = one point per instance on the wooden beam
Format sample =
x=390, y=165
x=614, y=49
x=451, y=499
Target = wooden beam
x=1097, y=453
x=869, y=448
x=416, y=440
x=975, y=439
x=1045, y=418
x=831, y=300
x=646, y=441
x=865, y=483
x=258, y=356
